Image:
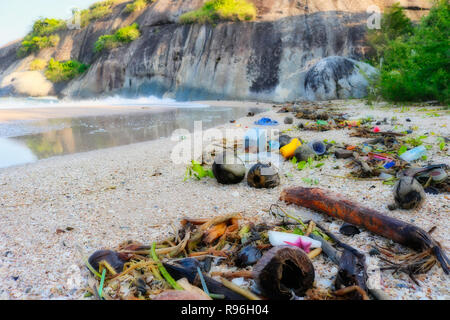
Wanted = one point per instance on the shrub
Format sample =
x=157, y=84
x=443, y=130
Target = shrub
x=415, y=67
x=46, y=27
x=97, y=11
x=128, y=34
x=64, y=71
x=100, y=10
x=394, y=24
x=122, y=36
x=216, y=10
x=42, y=36
x=107, y=42
x=38, y=65
x=32, y=44
x=137, y=5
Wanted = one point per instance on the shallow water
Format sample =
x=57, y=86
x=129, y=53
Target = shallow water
x=29, y=141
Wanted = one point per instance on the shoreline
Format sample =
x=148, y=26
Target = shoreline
x=46, y=112
x=57, y=211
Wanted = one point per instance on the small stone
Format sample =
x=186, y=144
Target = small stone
x=288, y=120
x=304, y=152
x=343, y=154
x=284, y=140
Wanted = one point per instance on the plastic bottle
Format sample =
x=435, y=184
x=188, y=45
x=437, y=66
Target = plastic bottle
x=318, y=146
x=255, y=140
x=288, y=150
x=414, y=154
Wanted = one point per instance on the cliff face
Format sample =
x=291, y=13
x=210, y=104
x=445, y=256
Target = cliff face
x=268, y=58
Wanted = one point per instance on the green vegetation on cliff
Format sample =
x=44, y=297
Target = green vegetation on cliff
x=98, y=10
x=47, y=27
x=137, y=5
x=32, y=44
x=42, y=36
x=122, y=36
x=58, y=71
x=38, y=65
x=216, y=10
x=414, y=59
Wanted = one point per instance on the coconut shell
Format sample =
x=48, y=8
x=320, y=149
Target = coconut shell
x=283, y=269
x=408, y=193
x=228, y=169
x=263, y=176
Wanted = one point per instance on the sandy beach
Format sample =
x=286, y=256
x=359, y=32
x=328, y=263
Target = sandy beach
x=56, y=211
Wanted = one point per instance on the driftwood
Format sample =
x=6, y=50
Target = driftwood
x=338, y=207
x=283, y=270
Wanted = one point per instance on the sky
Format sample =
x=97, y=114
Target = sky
x=17, y=16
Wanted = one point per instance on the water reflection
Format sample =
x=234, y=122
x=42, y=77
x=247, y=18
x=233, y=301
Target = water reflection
x=67, y=136
x=14, y=153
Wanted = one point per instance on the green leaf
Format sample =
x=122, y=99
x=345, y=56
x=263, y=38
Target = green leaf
x=288, y=175
x=301, y=165
x=402, y=150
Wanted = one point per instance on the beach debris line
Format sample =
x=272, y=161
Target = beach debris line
x=226, y=257
x=396, y=230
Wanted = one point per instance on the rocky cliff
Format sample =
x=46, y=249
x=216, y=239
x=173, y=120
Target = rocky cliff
x=265, y=59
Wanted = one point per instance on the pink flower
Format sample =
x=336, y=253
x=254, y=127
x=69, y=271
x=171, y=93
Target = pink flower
x=376, y=129
x=304, y=245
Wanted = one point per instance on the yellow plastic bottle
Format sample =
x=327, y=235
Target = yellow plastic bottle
x=288, y=150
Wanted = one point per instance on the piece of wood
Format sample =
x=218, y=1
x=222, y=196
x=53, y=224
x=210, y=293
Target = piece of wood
x=352, y=289
x=244, y=292
x=231, y=275
x=184, y=283
x=314, y=253
x=214, y=233
x=339, y=207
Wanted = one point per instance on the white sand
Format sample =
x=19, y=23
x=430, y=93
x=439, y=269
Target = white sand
x=109, y=196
